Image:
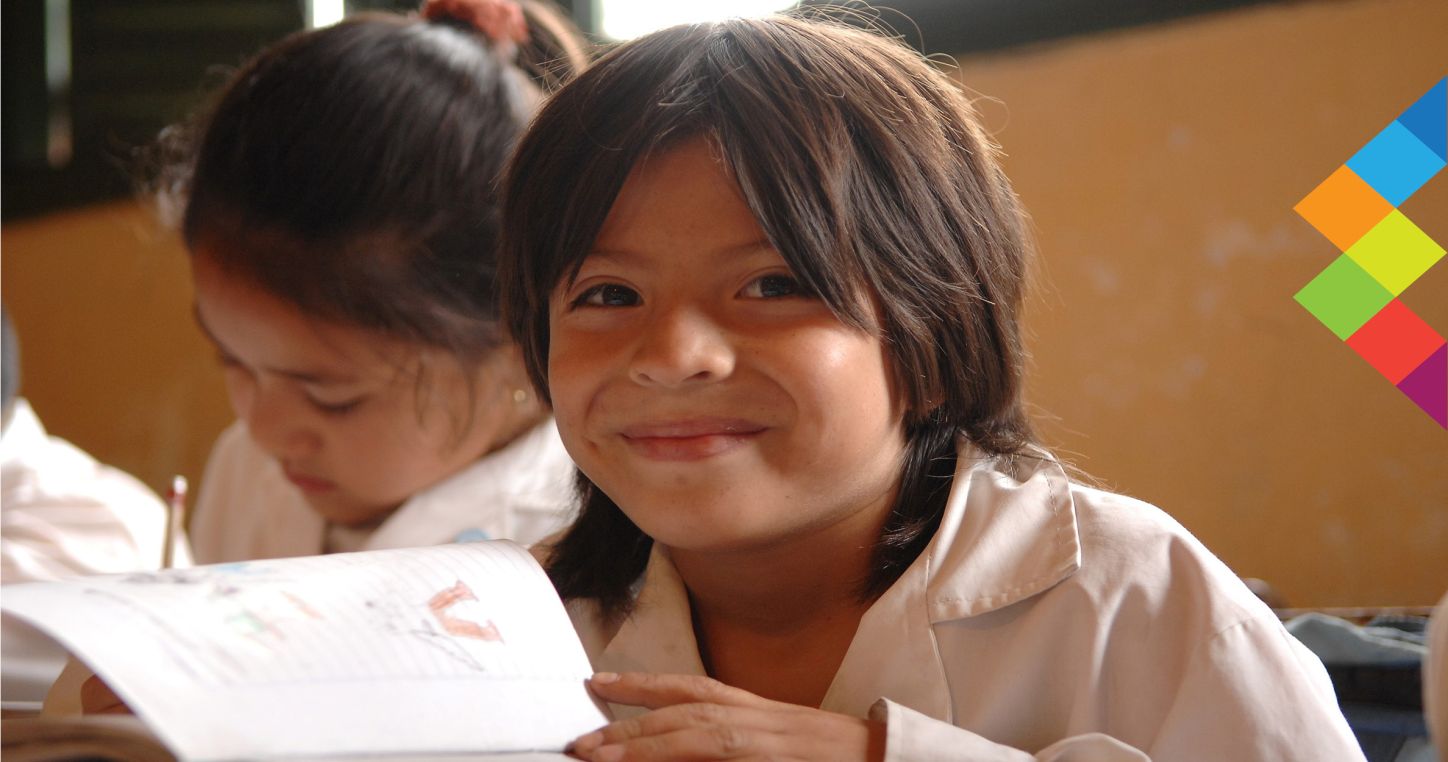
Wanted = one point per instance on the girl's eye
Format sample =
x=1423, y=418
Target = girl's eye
x=336, y=408
x=775, y=286
x=607, y=295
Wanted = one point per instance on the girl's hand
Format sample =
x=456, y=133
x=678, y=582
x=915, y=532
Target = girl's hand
x=699, y=718
x=97, y=698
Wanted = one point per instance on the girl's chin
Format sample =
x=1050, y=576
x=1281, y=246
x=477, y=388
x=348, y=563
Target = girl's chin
x=347, y=513
x=700, y=535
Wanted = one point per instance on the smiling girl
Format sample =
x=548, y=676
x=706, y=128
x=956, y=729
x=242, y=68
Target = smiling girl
x=340, y=208
x=780, y=330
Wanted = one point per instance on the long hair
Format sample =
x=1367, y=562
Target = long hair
x=352, y=170
x=868, y=171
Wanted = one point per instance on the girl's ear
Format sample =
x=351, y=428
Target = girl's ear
x=517, y=387
x=499, y=391
x=922, y=399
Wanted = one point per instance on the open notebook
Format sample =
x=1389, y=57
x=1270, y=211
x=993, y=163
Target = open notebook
x=424, y=651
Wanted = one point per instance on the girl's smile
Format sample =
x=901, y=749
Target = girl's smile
x=689, y=439
x=703, y=387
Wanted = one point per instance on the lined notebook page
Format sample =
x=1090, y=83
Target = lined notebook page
x=446, y=649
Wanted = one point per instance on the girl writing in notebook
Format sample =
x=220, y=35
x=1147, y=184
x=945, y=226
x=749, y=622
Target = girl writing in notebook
x=340, y=207
x=769, y=274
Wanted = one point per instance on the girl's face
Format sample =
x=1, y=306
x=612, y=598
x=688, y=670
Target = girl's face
x=698, y=386
x=340, y=407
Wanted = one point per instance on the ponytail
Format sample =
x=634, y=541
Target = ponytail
x=544, y=44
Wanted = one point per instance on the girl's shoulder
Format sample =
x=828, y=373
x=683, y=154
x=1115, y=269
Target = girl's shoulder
x=1127, y=542
x=1128, y=625
x=1114, y=523
x=1139, y=566
x=1025, y=527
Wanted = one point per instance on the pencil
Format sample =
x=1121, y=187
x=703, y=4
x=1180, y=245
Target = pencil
x=175, y=519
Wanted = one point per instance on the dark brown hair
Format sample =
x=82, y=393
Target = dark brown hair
x=352, y=170
x=868, y=171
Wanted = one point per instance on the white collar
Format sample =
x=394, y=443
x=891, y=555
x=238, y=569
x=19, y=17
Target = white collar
x=1009, y=532
x=532, y=468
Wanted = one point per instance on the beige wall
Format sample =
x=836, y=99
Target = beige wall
x=1161, y=166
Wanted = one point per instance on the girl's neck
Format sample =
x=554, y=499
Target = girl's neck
x=777, y=620
x=776, y=589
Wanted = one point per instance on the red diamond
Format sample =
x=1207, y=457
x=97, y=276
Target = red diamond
x=1395, y=341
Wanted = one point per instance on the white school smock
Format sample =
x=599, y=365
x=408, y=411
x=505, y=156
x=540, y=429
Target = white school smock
x=1435, y=679
x=248, y=510
x=62, y=515
x=1048, y=621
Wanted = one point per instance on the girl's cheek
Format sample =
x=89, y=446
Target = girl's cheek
x=240, y=389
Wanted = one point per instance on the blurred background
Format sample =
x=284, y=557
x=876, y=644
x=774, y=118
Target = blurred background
x=1159, y=145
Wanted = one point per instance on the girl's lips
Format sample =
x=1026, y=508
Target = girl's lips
x=689, y=440
x=309, y=484
x=690, y=427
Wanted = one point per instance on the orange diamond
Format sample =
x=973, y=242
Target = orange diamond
x=1343, y=207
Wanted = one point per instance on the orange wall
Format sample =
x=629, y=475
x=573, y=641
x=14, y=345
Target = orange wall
x=1160, y=165
x=101, y=299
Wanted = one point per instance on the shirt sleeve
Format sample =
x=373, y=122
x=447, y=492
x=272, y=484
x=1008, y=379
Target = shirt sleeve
x=66, y=537
x=1254, y=692
x=1251, y=693
x=1435, y=675
x=913, y=737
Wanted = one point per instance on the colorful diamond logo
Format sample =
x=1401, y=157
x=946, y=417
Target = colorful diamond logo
x=1356, y=297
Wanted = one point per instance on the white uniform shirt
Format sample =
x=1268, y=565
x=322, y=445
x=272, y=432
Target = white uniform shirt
x=1435, y=679
x=1048, y=621
x=248, y=510
x=63, y=514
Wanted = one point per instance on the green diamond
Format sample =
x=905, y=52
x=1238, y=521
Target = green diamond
x=1343, y=296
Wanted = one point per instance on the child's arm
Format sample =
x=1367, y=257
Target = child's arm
x=97, y=698
x=63, y=699
x=1248, y=692
x=700, y=718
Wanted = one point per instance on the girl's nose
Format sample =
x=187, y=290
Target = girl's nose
x=679, y=348
x=277, y=424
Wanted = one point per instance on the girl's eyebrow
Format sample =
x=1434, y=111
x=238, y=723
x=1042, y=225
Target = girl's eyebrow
x=306, y=377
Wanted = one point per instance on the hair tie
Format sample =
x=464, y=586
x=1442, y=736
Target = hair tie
x=500, y=21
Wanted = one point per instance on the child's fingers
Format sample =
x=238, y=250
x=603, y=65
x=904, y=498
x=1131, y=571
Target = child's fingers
x=694, y=743
x=715, y=731
x=681, y=717
x=97, y=698
x=654, y=691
